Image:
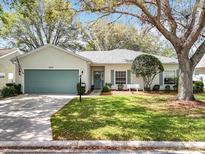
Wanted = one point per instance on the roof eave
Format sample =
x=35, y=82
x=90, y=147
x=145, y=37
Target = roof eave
x=97, y=63
x=50, y=45
x=14, y=51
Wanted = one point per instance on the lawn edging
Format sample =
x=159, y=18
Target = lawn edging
x=99, y=144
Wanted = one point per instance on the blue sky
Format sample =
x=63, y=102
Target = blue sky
x=88, y=17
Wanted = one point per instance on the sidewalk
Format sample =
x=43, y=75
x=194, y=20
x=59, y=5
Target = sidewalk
x=95, y=93
x=41, y=151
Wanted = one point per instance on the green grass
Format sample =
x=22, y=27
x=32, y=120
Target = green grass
x=142, y=117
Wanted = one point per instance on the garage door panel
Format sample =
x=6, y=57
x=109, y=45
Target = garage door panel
x=51, y=81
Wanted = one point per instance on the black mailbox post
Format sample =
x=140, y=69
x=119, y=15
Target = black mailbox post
x=80, y=84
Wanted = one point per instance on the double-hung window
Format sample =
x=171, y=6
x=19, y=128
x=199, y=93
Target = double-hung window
x=120, y=77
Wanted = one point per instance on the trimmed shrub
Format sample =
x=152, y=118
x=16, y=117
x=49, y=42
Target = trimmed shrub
x=82, y=92
x=92, y=87
x=17, y=88
x=198, y=87
x=106, y=89
x=10, y=84
x=8, y=91
x=167, y=88
x=156, y=87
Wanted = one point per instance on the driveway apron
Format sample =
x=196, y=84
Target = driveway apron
x=27, y=117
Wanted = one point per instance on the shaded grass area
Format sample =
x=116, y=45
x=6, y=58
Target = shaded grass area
x=136, y=117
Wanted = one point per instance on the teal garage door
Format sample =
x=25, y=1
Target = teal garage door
x=51, y=81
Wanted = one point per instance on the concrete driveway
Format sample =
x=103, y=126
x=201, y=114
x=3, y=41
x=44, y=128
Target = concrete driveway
x=27, y=117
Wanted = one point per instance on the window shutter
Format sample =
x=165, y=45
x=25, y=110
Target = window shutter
x=177, y=72
x=112, y=77
x=161, y=78
x=128, y=76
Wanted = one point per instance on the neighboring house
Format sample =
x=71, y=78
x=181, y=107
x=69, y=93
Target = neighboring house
x=199, y=73
x=7, y=69
x=51, y=69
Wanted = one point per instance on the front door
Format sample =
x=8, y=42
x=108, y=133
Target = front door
x=98, y=79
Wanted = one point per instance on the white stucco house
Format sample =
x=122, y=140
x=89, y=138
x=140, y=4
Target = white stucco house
x=199, y=73
x=7, y=69
x=50, y=69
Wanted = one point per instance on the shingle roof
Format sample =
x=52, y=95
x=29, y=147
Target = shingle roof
x=119, y=56
x=201, y=63
x=4, y=52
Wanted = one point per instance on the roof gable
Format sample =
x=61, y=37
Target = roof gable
x=55, y=47
x=201, y=63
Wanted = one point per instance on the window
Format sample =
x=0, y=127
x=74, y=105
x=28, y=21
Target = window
x=169, y=77
x=196, y=72
x=2, y=75
x=10, y=76
x=120, y=77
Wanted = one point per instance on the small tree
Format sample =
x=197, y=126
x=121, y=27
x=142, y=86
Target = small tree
x=147, y=67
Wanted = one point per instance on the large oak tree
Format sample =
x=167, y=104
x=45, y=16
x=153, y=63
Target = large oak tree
x=34, y=23
x=180, y=22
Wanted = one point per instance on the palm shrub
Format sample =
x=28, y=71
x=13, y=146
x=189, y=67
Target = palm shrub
x=11, y=89
x=17, y=87
x=8, y=91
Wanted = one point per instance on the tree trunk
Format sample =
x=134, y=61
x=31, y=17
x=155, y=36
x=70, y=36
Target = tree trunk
x=185, y=83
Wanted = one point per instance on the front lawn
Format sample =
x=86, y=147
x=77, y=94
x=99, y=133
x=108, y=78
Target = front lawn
x=135, y=117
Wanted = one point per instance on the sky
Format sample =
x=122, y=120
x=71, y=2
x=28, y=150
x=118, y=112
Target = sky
x=87, y=17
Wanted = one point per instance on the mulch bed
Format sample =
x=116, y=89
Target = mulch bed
x=186, y=104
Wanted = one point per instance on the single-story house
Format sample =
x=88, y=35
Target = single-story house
x=50, y=69
x=7, y=69
x=199, y=73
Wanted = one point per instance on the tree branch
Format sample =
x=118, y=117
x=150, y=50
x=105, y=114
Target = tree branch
x=158, y=3
x=168, y=12
x=193, y=19
x=197, y=30
x=198, y=54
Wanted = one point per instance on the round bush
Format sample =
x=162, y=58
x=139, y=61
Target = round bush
x=198, y=87
x=106, y=89
x=167, y=88
x=156, y=87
